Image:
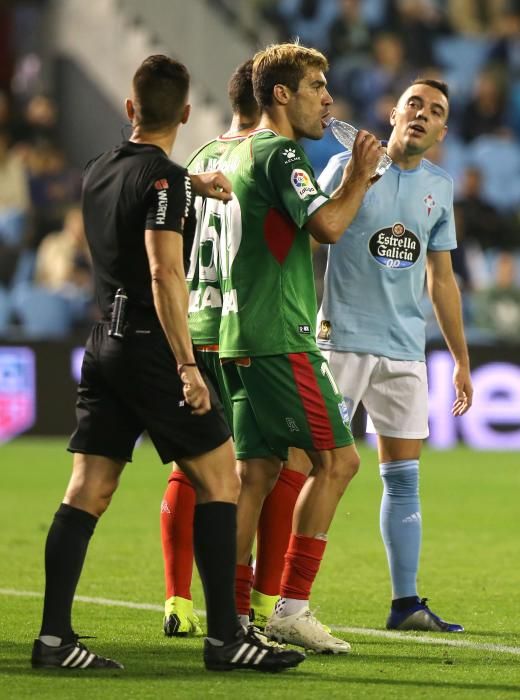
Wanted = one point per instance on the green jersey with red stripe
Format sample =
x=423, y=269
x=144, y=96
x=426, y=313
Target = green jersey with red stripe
x=205, y=305
x=269, y=299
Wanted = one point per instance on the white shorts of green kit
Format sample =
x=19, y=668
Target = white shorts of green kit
x=393, y=392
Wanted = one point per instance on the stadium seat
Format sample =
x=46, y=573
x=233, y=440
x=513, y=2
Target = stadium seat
x=42, y=314
x=499, y=160
x=462, y=57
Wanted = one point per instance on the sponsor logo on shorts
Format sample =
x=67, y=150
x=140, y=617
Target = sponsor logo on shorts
x=395, y=247
x=302, y=183
x=291, y=424
x=304, y=328
x=344, y=413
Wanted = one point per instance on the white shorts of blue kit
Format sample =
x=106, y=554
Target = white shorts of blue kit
x=393, y=392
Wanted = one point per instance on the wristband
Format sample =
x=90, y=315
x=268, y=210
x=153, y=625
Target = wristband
x=185, y=364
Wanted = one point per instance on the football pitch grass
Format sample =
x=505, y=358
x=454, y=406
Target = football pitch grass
x=470, y=568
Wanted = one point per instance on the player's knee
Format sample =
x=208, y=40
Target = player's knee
x=94, y=496
x=259, y=475
x=341, y=469
x=223, y=487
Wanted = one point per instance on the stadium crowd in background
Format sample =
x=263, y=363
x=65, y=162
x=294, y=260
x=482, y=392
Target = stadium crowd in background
x=375, y=48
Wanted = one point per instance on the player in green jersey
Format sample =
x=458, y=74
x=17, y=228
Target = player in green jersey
x=205, y=307
x=282, y=390
x=204, y=321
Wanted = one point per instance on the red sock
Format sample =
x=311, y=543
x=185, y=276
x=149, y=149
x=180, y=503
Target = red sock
x=243, y=583
x=274, y=531
x=302, y=563
x=177, y=511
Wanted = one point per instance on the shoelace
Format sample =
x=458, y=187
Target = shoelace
x=314, y=621
x=263, y=639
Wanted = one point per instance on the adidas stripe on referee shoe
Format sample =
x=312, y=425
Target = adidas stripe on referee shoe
x=74, y=655
x=249, y=651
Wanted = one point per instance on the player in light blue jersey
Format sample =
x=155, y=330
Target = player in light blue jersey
x=372, y=331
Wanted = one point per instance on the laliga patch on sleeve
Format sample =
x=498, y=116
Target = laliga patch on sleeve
x=302, y=183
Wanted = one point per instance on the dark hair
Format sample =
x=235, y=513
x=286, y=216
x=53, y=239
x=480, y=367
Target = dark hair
x=437, y=84
x=284, y=64
x=240, y=90
x=160, y=90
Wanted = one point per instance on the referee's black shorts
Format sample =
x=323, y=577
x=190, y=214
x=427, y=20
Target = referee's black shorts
x=131, y=385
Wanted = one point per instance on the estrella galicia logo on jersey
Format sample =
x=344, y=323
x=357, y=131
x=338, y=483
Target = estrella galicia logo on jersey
x=290, y=155
x=161, y=184
x=395, y=247
x=429, y=203
x=302, y=183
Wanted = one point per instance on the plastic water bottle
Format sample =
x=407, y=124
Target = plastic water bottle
x=346, y=134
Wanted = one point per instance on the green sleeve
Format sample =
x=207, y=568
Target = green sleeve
x=290, y=177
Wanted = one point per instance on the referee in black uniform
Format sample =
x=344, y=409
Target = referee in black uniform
x=139, y=373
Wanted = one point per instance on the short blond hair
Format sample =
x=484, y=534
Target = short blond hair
x=284, y=64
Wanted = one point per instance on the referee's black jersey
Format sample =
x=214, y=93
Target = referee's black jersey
x=127, y=190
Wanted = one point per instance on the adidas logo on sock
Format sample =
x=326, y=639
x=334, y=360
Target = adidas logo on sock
x=413, y=518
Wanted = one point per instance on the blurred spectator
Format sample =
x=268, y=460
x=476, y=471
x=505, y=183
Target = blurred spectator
x=14, y=193
x=40, y=121
x=61, y=294
x=478, y=221
x=9, y=119
x=419, y=23
x=310, y=20
x=54, y=187
x=497, y=309
x=470, y=17
x=387, y=72
x=485, y=112
x=349, y=35
x=505, y=51
x=63, y=262
x=14, y=206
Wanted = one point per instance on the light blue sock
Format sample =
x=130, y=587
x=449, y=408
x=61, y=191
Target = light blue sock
x=401, y=523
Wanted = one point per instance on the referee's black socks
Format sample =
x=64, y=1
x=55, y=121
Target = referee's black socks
x=65, y=552
x=214, y=540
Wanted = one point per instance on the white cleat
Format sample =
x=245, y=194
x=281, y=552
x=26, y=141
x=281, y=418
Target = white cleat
x=304, y=630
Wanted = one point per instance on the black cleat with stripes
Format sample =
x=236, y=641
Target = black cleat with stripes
x=250, y=652
x=73, y=656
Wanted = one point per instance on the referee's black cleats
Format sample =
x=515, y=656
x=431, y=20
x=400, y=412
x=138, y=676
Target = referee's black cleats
x=74, y=656
x=249, y=651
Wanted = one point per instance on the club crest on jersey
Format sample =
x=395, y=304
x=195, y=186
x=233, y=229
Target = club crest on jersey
x=395, y=247
x=161, y=184
x=302, y=183
x=429, y=203
x=290, y=155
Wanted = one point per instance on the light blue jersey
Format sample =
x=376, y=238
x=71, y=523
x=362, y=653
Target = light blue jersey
x=375, y=275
